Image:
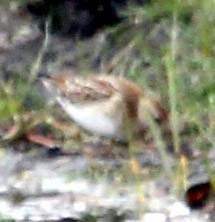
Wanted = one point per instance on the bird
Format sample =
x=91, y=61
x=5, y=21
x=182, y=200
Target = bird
x=105, y=105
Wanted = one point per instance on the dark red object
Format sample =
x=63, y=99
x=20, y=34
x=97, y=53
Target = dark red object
x=197, y=195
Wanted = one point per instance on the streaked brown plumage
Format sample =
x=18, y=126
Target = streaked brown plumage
x=104, y=105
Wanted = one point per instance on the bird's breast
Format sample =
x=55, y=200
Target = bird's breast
x=93, y=119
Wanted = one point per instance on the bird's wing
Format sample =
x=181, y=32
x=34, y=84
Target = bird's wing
x=78, y=89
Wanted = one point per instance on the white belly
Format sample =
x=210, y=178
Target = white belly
x=92, y=119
